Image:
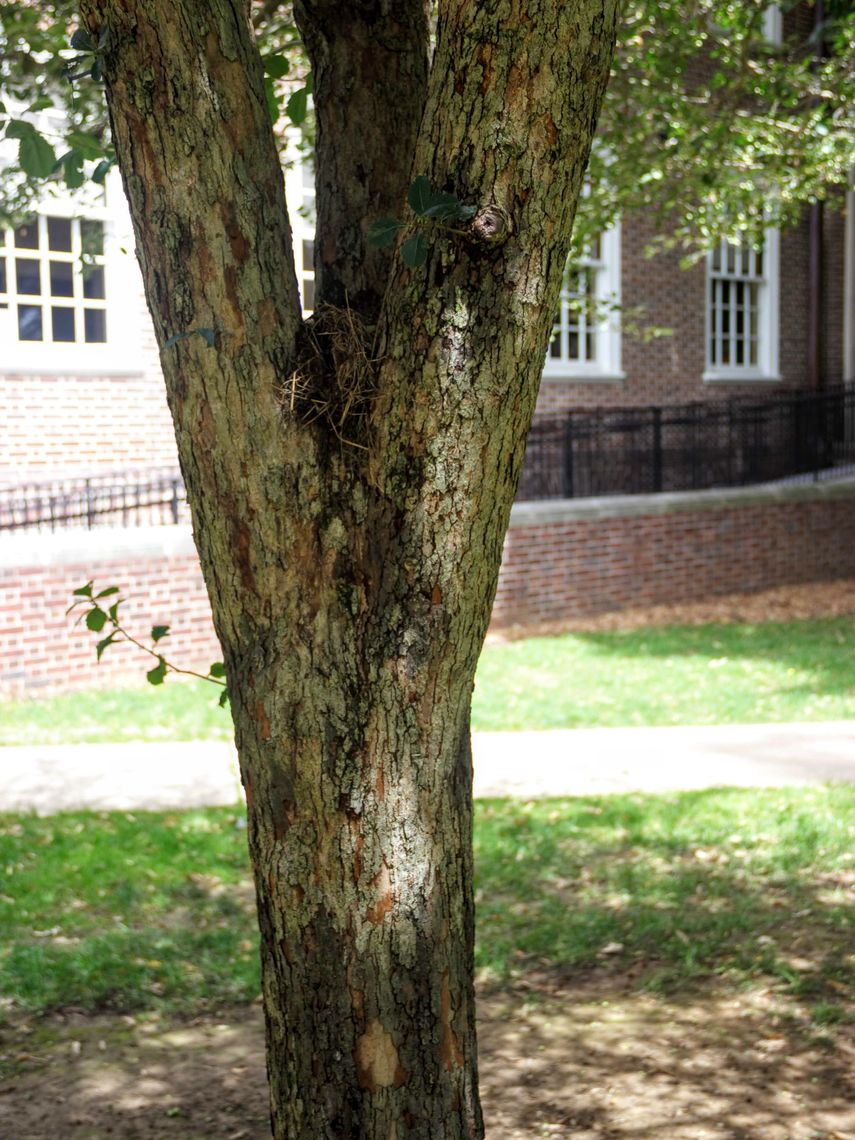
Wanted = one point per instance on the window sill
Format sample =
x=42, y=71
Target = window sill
x=68, y=369
x=740, y=376
x=584, y=377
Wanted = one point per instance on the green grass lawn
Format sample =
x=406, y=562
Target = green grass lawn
x=715, y=674
x=111, y=911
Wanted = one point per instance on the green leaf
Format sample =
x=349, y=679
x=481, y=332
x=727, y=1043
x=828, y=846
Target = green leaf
x=218, y=669
x=207, y=336
x=224, y=698
x=156, y=675
x=298, y=105
x=82, y=41
x=272, y=101
x=97, y=71
x=275, y=65
x=96, y=620
x=113, y=612
x=102, y=169
x=72, y=169
x=158, y=632
x=443, y=206
x=35, y=154
x=108, y=592
x=86, y=144
x=419, y=195
x=83, y=591
x=382, y=232
x=415, y=250
x=102, y=645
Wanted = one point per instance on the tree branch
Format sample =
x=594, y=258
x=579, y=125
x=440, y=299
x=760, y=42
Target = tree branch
x=369, y=63
x=202, y=175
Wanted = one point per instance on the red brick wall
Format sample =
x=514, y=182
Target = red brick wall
x=568, y=559
x=562, y=560
x=40, y=648
x=59, y=423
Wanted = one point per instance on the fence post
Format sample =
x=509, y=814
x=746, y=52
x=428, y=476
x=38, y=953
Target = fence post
x=174, y=503
x=568, y=456
x=90, y=512
x=657, y=449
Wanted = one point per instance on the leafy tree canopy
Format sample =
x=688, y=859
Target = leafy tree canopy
x=704, y=119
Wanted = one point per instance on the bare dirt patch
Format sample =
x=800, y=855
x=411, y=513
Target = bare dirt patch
x=590, y=1058
x=808, y=601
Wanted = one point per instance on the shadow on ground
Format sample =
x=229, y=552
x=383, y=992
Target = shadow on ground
x=589, y=1058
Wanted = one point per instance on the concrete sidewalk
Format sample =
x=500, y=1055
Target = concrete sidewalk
x=552, y=763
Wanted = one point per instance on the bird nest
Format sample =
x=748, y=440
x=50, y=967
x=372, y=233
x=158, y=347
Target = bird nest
x=334, y=380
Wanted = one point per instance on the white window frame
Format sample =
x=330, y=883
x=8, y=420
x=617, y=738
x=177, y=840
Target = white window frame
x=300, y=197
x=767, y=368
x=773, y=25
x=606, y=362
x=121, y=353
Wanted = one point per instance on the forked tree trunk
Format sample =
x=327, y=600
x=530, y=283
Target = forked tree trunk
x=352, y=568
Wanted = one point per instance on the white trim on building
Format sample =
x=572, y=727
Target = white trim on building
x=742, y=311
x=586, y=340
x=773, y=25
x=67, y=309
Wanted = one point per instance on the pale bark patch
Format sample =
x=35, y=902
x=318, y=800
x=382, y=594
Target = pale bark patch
x=382, y=884
x=377, y=1063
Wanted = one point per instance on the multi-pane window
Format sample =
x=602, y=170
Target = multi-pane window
x=53, y=281
x=742, y=293
x=585, y=340
x=736, y=277
x=574, y=332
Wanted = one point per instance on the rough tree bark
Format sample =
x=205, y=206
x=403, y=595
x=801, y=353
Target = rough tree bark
x=351, y=585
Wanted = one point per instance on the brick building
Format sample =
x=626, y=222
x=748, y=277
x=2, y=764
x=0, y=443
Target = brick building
x=81, y=393
x=82, y=390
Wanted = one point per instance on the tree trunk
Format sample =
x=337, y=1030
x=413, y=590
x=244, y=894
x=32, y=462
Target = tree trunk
x=352, y=561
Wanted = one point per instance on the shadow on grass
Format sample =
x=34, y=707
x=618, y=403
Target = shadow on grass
x=676, y=889
x=822, y=648
x=672, y=966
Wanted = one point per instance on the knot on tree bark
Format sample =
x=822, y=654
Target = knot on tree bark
x=490, y=226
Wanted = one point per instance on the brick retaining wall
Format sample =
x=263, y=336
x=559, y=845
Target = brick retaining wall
x=563, y=559
x=158, y=572
x=571, y=558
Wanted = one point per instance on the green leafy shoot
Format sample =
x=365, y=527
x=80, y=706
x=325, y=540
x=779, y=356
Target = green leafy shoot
x=96, y=619
x=439, y=205
x=431, y=208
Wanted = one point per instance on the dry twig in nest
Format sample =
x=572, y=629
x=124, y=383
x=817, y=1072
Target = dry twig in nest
x=334, y=380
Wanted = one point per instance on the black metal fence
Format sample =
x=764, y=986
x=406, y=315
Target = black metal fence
x=116, y=498
x=616, y=451
x=682, y=447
